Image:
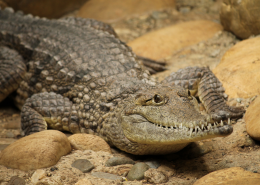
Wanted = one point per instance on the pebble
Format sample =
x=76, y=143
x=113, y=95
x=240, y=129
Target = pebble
x=114, y=161
x=153, y=164
x=137, y=171
x=16, y=181
x=106, y=176
x=46, y=147
x=229, y=176
x=89, y=142
x=38, y=175
x=155, y=177
x=84, y=182
x=83, y=165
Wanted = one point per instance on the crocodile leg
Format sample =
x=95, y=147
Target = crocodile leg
x=203, y=83
x=12, y=71
x=50, y=110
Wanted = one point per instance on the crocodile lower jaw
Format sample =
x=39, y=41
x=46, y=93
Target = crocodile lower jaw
x=138, y=129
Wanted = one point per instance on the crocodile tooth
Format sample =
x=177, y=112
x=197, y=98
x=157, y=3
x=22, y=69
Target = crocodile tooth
x=209, y=126
x=229, y=123
x=202, y=126
x=191, y=131
x=172, y=127
x=181, y=125
x=221, y=123
x=215, y=126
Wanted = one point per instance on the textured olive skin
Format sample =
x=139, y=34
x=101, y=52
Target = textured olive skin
x=75, y=75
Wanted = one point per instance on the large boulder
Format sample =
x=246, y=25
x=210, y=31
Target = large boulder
x=239, y=69
x=241, y=17
x=229, y=176
x=252, y=119
x=114, y=10
x=44, y=8
x=162, y=43
x=39, y=150
x=89, y=142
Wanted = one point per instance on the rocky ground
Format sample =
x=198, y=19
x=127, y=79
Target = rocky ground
x=184, y=167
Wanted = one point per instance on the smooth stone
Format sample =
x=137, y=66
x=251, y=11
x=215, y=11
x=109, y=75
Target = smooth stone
x=153, y=164
x=46, y=147
x=106, y=176
x=89, y=142
x=137, y=171
x=114, y=161
x=38, y=175
x=241, y=17
x=46, y=8
x=114, y=10
x=239, y=69
x=229, y=176
x=154, y=176
x=83, y=165
x=162, y=43
x=83, y=182
x=16, y=181
x=252, y=119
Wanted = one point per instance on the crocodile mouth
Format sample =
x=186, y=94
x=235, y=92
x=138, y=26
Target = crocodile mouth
x=139, y=129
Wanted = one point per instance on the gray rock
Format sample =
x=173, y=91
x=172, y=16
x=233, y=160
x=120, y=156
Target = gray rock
x=106, y=176
x=83, y=165
x=114, y=161
x=153, y=164
x=16, y=181
x=137, y=171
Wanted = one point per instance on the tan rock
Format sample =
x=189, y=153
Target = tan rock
x=162, y=43
x=83, y=182
x=241, y=17
x=114, y=10
x=252, y=119
x=89, y=142
x=230, y=176
x=239, y=69
x=39, y=150
x=45, y=8
x=38, y=175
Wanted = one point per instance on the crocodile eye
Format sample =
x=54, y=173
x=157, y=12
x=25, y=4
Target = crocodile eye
x=157, y=98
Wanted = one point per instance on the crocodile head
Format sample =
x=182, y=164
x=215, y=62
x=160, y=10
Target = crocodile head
x=168, y=116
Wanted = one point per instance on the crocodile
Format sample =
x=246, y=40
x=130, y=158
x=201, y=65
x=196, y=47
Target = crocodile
x=75, y=75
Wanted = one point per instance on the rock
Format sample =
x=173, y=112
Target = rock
x=89, y=142
x=154, y=176
x=84, y=182
x=153, y=164
x=239, y=69
x=252, y=119
x=38, y=175
x=106, y=176
x=229, y=176
x=114, y=10
x=162, y=43
x=114, y=161
x=241, y=17
x=83, y=165
x=16, y=181
x=46, y=147
x=137, y=171
x=46, y=8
